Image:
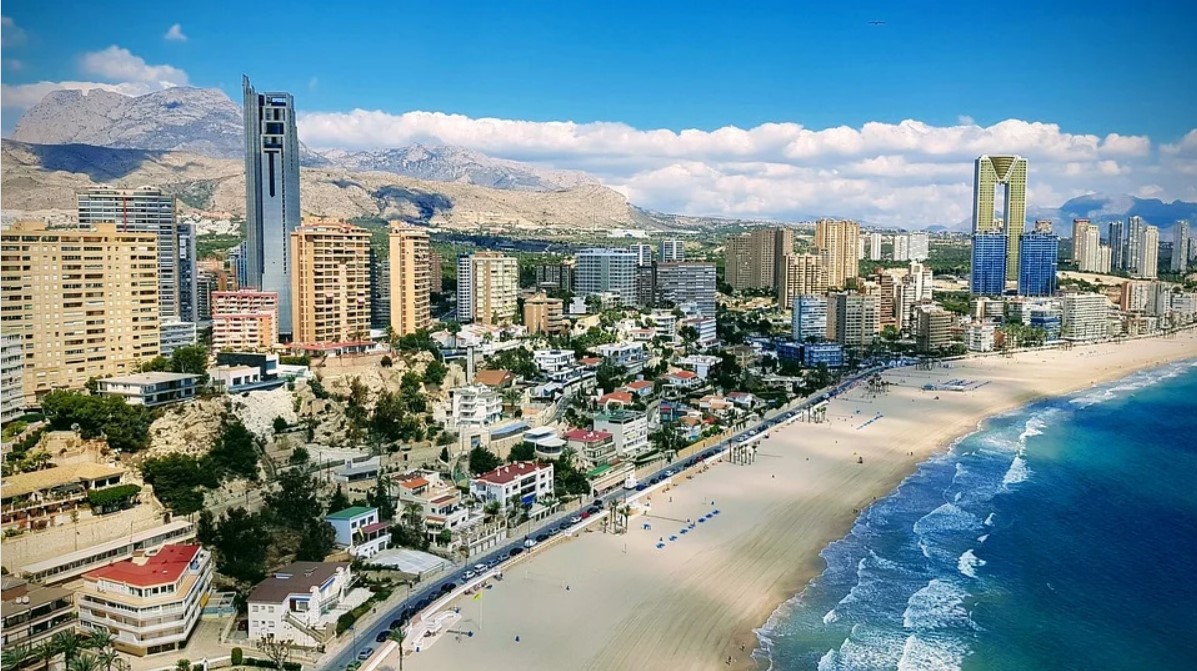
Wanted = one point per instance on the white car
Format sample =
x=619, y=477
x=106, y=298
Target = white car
x=469, y=574
x=575, y=519
x=481, y=568
x=529, y=543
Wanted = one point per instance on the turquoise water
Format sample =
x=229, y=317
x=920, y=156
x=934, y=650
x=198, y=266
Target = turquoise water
x=1060, y=536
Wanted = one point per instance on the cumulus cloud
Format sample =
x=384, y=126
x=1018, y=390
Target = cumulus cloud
x=175, y=34
x=11, y=35
x=908, y=173
x=119, y=64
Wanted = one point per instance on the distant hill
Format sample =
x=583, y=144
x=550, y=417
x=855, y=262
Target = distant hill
x=1102, y=208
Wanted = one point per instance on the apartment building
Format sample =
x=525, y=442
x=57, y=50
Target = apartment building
x=544, y=315
x=487, y=287
x=84, y=300
x=296, y=604
x=679, y=283
x=852, y=319
x=594, y=448
x=152, y=389
x=606, y=271
x=439, y=501
x=12, y=367
x=244, y=321
x=49, y=497
x=805, y=275
x=932, y=328
x=151, y=603
x=330, y=283
x=628, y=428
x=520, y=483
x=837, y=242
x=476, y=406
x=757, y=259
x=1084, y=316
x=360, y=531
x=33, y=614
x=410, y=285
x=175, y=334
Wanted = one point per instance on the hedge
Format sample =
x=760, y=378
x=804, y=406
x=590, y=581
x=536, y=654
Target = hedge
x=111, y=496
x=268, y=664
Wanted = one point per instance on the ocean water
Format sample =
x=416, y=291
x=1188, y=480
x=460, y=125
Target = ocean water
x=1062, y=535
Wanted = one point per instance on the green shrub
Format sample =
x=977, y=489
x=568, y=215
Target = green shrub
x=236, y=657
x=112, y=498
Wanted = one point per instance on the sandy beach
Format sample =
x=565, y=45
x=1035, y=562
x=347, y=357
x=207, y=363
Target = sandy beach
x=606, y=601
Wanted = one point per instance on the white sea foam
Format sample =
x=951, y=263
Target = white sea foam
x=1018, y=472
x=830, y=661
x=1131, y=384
x=869, y=649
x=989, y=519
x=830, y=616
x=939, y=605
x=984, y=537
x=969, y=562
x=927, y=654
x=947, y=517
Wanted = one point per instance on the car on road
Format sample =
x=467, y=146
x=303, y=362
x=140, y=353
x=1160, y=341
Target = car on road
x=515, y=551
x=670, y=473
x=592, y=510
x=365, y=654
x=585, y=514
x=382, y=636
x=481, y=568
x=575, y=519
x=468, y=575
x=640, y=487
x=395, y=624
x=542, y=538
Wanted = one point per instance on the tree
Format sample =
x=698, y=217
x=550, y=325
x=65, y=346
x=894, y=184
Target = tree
x=318, y=540
x=338, y=501
x=158, y=364
x=175, y=478
x=521, y=452
x=108, y=657
x=126, y=427
x=444, y=537
x=236, y=451
x=276, y=650
x=609, y=376
x=279, y=424
x=299, y=456
x=67, y=643
x=99, y=639
x=205, y=528
x=83, y=662
x=295, y=499
x=15, y=656
x=482, y=460
x=380, y=497
x=191, y=359
x=45, y=653
x=240, y=552
x=434, y=372
x=183, y=665
x=398, y=636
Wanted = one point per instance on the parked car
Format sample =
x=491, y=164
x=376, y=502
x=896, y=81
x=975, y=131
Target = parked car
x=592, y=510
x=529, y=543
x=395, y=624
x=542, y=538
x=468, y=575
x=575, y=519
x=365, y=654
x=481, y=568
x=515, y=551
x=382, y=636
x=585, y=514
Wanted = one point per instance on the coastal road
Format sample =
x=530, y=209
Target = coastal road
x=341, y=656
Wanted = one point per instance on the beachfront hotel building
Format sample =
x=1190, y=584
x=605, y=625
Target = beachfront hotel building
x=852, y=319
x=272, y=209
x=150, y=603
x=544, y=315
x=330, y=283
x=520, y=483
x=1037, y=264
x=296, y=603
x=84, y=300
x=809, y=318
x=244, y=321
x=1009, y=172
x=606, y=271
x=487, y=288
x=837, y=242
x=932, y=328
x=408, y=272
x=1084, y=316
x=989, y=264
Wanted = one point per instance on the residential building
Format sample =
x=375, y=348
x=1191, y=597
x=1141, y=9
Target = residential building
x=852, y=319
x=1083, y=316
x=330, y=283
x=151, y=603
x=84, y=300
x=34, y=614
x=188, y=273
x=628, y=429
x=554, y=360
x=683, y=379
x=702, y=364
x=599, y=271
x=989, y=264
x=298, y=603
x=519, y=483
x=487, y=287
x=71, y=565
x=545, y=442
x=1037, y=264
x=360, y=531
x=173, y=334
x=1078, y=233
x=836, y=242
x=874, y=246
x=1086, y=246
x=672, y=251
x=380, y=290
x=706, y=329
x=901, y=248
x=593, y=447
x=12, y=367
x=805, y=275
x=809, y=318
x=52, y=496
x=244, y=321
x=829, y=354
x=272, y=209
x=1009, y=172
x=646, y=286
x=150, y=389
x=544, y=315
x=629, y=356
x=1180, y=247
x=643, y=252
x=1144, y=251
x=932, y=328
x=1117, y=241
x=555, y=277
x=918, y=246
x=1048, y=318
x=981, y=336
x=142, y=210
x=757, y=260
x=436, y=272
x=476, y=406
x=915, y=287
x=687, y=282
x=410, y=285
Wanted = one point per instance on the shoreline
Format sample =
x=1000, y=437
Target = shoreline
x=694, y=603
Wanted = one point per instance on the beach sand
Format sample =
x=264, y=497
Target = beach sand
x=605, y=601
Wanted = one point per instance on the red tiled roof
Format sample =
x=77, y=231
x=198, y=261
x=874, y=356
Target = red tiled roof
x=590, y=360
x=682, y=374
x=505, y=474
x=161, y=569
x=639, y=384
x=371, y=528
x=621, y=396
x=585, y=436
x=413, y=483
x=492, y=378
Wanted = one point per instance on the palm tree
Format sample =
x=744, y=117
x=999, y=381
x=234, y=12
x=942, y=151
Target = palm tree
x=397, y=636
x=66, y=643
x=83, y=662
x=183, y=665
x=107, y=657
x=16, y=655
x=45, y=653
x=98, y=639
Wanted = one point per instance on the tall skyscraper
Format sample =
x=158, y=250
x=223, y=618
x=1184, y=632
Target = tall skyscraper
x=783, y=249
x=920, y=248
x=612, y=271
x=874, y=246
x=672, y=250
x=487, y=287
x=810, y=318
x=141, y=210
x=901, y=247
x=330, y=283
x=687, y=282
x=852, y=319
x=1086, y=246
x=105, y=323
x=1011, y=173
x=1146, y=250
x=837, y=242
x=380, y=290
x=989, y=264
x=1078, y=231
x=1117, y=242
x=188, y=273
x=1134, y=245
x=644, y=253
x=757, y=260
x=1180, y=246
x=805, y=274
x=409, y=278
x=1037, y=254
x=916, y=287
x=436, y=277
x=271, y=194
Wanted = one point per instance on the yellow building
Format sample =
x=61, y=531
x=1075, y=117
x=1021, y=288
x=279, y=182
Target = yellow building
x=758, y=259
x=838, y=244
x=409, y=254
x=488, y=285
x=544, y=315
x=804, y=276
x=330, y=283
x=85, y=300
x=244, y=321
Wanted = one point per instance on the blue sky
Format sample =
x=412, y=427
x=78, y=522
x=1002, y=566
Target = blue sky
x=1091, y=68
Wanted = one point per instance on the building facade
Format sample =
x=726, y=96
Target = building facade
x=672, y=251
x=544, y=315
x=678, y=283
x=296, y=604
x=852, y=319
x=175, y=334
x=1009, y=172
x=805, y=275
x=12, y=370
x=34, y=614
x=932, y=328
x=330, y=283
x=989, y=264
x=519, y=483
x=84, y=300
x=809, y=318
x=150, y=389
x=360, y=531
x=628, y=428
x=380, y=290
x=1180, y=247
x=244, y=321
x=1083, y=317
x=1037, y=259
x=487, y=288
x=600, y=271
x=410, y=286
x=837, y=242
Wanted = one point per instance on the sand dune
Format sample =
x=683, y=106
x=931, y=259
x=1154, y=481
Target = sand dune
x=605, y=601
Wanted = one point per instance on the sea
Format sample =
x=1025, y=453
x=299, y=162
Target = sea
x=1062, y=535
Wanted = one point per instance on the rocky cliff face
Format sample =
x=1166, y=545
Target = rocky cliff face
x=456, y=164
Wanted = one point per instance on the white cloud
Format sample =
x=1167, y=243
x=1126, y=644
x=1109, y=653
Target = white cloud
x=909, y=173
x=119, y=64
x=175, y=34
x=11, y=35
x=965, y=120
